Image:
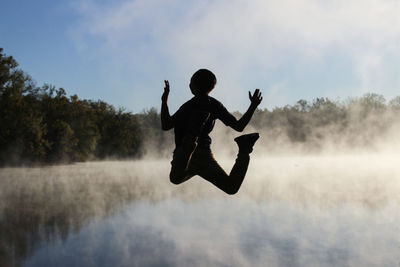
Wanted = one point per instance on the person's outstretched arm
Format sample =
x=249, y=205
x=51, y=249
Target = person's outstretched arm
x=166, y=120
x=255, y=100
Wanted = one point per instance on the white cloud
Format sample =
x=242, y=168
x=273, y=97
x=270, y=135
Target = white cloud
x=236, y=37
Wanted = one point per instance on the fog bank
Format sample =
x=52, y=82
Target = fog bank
x=106, y=212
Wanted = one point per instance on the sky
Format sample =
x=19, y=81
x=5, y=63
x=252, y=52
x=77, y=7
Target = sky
x=121, y=51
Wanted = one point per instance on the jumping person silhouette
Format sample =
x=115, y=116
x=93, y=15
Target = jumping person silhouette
x=192, y=124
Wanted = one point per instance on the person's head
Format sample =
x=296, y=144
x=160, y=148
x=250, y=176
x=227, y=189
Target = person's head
x=202, y=82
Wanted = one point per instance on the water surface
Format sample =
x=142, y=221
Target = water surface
x=291, y=211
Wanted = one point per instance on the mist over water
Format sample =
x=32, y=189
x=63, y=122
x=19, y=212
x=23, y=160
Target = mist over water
x=322, y=189
x=292, y=210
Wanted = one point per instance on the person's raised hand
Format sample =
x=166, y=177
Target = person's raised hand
x=164, y=96
x=256, y=98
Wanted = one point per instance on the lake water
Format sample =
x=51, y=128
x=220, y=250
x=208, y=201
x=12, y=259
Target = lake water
x=341, y=210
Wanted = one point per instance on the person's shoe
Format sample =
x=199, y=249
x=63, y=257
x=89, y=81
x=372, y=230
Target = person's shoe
x=246, y=142
x=197, y=121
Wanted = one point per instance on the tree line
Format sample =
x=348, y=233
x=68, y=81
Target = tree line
x=42, y=124
x=356, y=123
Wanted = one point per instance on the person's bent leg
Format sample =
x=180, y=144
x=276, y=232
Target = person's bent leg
x=214, y=173
x=183, y=153
x=181, y=159
x=238, y=173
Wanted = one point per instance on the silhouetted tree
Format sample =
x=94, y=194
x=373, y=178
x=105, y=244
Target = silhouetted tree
x=42, y=124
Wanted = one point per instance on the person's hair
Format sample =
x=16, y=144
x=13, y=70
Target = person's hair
x=203, y=80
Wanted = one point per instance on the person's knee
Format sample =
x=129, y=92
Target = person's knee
x=231, y=190
x=175, y=179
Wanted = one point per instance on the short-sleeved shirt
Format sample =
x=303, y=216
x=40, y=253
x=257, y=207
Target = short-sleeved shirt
x=205, y=103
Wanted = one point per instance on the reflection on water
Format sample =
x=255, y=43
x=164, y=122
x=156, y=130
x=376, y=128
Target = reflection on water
x=291, y=211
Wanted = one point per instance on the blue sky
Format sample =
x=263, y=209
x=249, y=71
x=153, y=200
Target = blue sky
x=121, y=51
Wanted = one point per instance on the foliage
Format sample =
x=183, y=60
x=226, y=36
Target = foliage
x=42, y=124
x=156, y=142
x=357, y=123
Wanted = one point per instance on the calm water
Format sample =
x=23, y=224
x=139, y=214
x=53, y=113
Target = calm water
x=291, y=211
